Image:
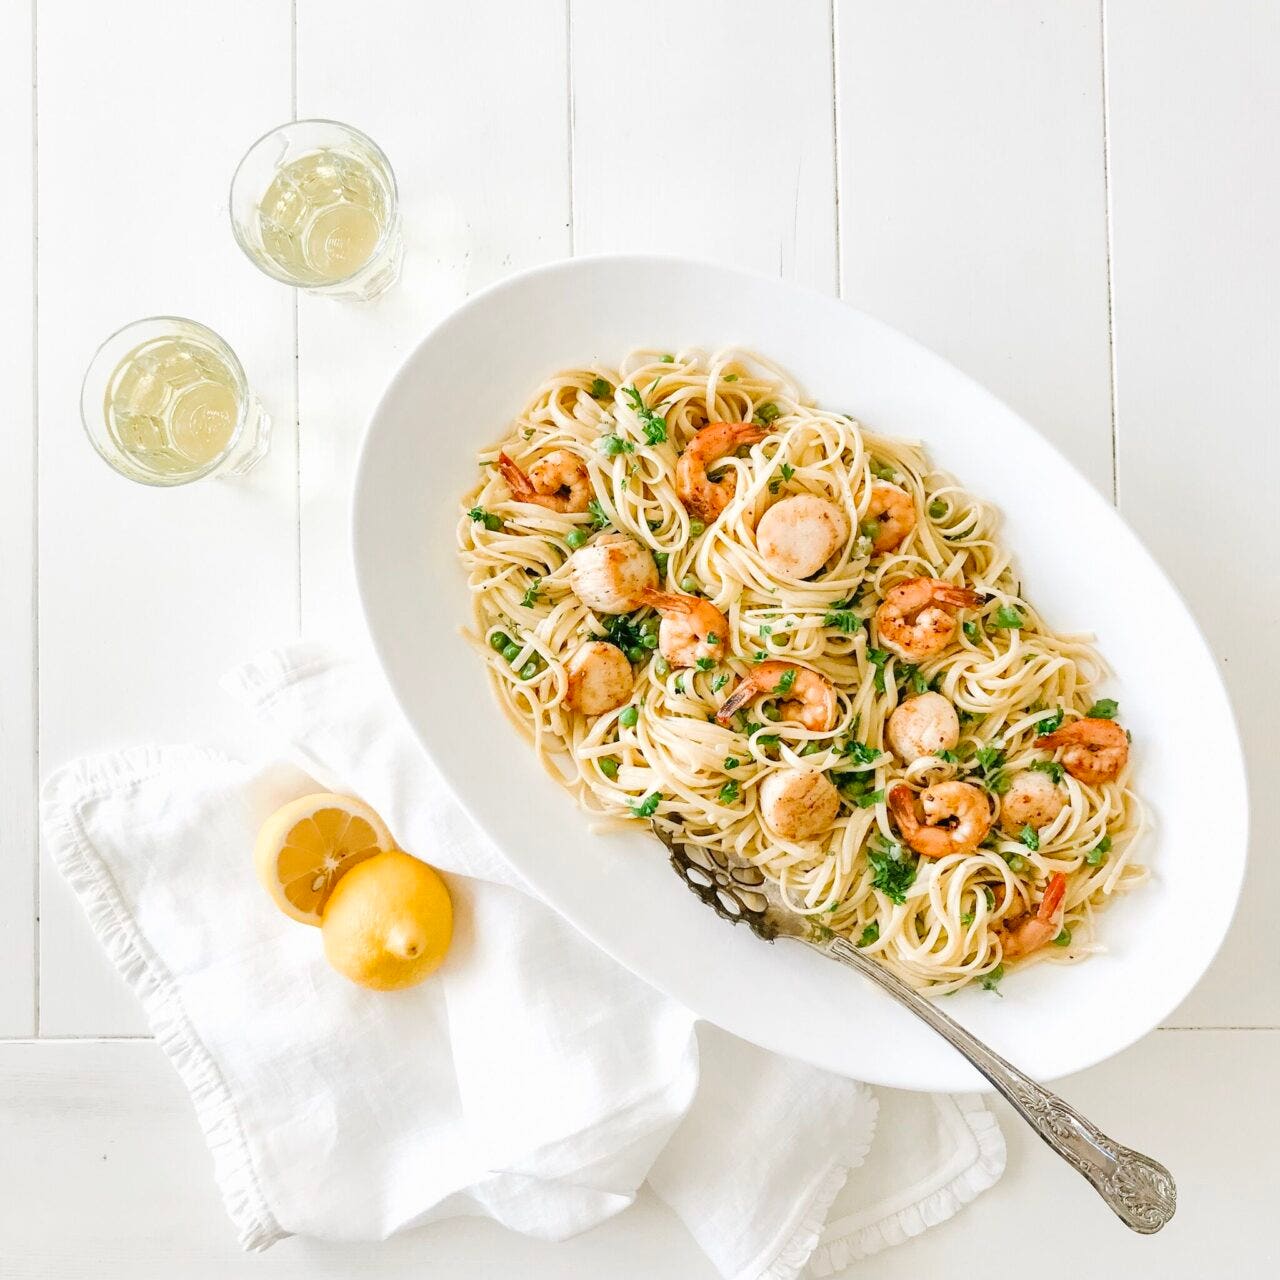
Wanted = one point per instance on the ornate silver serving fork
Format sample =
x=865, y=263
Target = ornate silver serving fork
x=1139, y=1190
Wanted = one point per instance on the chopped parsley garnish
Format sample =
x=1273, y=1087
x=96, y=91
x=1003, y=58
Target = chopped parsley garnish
x=648, y=806
x=759, y=656
x=909, y=673
x=731, y=762
x=654, y=424
x=487, y=518
x=719, y=682
x=704, y=664
x=779, y=480
x=599, y=516
x=679, y=684
x=972, y=631
x=947, y=756
x=1049, y=724
x=870, y=934
x=729, y=792
x=990, y=761
x=600, y=388
x=937, y=509
x=712, y=638
x=1051, y=767
x=1099, y=852
x=1008, y=618
x=866, y=801
x=991, y=981
x=990, y=897
x=622, y=630
x=612, y=445
x=859, y=752
x=1030, y=837
x=1103, y=709
x=785, y=681
x=966, y=918
x=843, y=619
x=530, y=597
x=766, y=414
x=894, y=873
x=877, y=658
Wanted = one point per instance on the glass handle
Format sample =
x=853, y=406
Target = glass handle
x=1139, y=1190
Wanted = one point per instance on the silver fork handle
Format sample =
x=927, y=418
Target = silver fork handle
x=1139, y=1190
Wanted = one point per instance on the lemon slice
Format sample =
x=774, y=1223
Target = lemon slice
x=305, y=847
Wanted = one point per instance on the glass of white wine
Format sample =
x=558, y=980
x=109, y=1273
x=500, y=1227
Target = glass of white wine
x=165, y=402
x=314, y=204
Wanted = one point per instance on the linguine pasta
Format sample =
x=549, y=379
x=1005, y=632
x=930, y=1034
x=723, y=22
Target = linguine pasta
x=937, y=921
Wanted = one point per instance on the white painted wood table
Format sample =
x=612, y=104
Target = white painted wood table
x=1075, y=201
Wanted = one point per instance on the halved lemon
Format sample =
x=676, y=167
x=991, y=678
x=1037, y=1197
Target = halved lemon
x=306, y=847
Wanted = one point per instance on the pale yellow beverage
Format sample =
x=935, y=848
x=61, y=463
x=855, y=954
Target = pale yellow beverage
x=172, y=405
x=314, y=204
x=165, y=402
x=323, y=216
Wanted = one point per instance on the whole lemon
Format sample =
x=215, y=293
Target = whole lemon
x=388, y=922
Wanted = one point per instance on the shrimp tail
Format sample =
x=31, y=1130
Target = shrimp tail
x=961, y=597
x=666, y=601
x=1053, y=897
x=738, y=699
x=902, y=804
x=521, y=486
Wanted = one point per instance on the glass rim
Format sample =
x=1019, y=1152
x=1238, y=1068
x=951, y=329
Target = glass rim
x=383, y=239
x=242, y=408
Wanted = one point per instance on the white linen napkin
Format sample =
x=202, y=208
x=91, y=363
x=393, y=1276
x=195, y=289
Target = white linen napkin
x=532, y=1079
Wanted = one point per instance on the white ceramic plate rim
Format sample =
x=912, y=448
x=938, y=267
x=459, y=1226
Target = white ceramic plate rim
x=905, y=1055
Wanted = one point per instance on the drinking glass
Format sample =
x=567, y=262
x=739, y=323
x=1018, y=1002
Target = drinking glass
x=166, y=402
x=314, y=204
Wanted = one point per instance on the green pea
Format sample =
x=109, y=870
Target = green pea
x=499, y=641
x=660, y=558
x=649, y=640
x=937, y=509
x=576, y=537
x=609, y=767
x=628, y=716
x=661, y=666
x=511, y=651
x=811, y=748
x=1017, y=864
x=1063, y=939
x=635, y=654
x=771, y=712
x=529, y=670
x=689, y=584
x=649, y=627
x=696, y=528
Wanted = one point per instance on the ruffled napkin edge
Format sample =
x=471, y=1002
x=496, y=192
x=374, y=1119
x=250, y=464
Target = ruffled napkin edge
x=72, y=852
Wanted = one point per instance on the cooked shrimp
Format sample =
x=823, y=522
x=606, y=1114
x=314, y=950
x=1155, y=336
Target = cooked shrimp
x=1033, y=800
x=798, y=803
x=1092, y=750
x=916, y=619
x=559, y=481
x=692, y=628
x=807, y=696
x=600, y=678
x=893, y=512
x=1027, y=933
x=704, y=497
x=923, y=726
x=798, y=535
x=957, y=817
x=609, y=573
